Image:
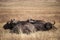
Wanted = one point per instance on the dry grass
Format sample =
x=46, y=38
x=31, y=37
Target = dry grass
x=47, y=35
x=24, y=10
x=40, y=35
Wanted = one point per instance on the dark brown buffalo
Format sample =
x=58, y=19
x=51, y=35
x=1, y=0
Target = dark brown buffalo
x=19, y=26
x=42, y=25
x=28, y=26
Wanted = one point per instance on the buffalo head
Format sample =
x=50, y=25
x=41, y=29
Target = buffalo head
x=9, y=24
x=49, y=25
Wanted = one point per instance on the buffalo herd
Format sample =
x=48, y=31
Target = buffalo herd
x=28, y=26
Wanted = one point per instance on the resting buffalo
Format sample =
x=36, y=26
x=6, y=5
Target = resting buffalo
x=28, y=26
x=42, y=25
x=19, y=26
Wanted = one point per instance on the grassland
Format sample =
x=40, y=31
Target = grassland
x=23, y=10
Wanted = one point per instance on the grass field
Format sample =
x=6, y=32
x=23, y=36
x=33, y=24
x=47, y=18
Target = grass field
x=24, y=10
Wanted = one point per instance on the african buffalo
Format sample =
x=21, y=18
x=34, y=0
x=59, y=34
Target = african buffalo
x=19, y=26
x=28, y=26
x=42, y=25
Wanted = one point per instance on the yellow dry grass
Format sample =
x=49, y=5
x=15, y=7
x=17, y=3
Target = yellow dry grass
x=24, y=10
x=41, y=35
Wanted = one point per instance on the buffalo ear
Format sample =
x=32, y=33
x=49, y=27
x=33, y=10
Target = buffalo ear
x=13, y=21
x=8, y=22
